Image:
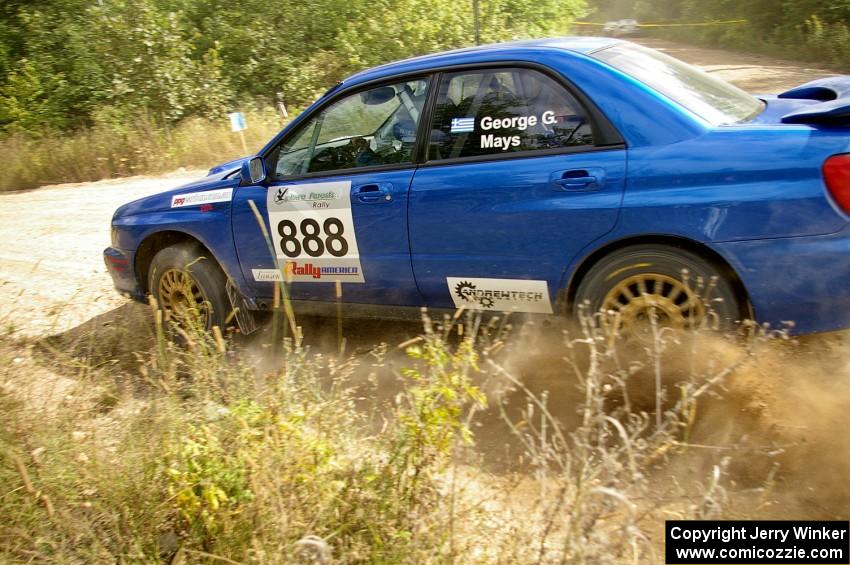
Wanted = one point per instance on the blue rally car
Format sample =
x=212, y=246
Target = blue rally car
x=532, y=177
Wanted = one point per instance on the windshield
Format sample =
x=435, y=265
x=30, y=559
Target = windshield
x=712, y=99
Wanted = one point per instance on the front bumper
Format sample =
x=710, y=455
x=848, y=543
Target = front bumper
x=119, y=264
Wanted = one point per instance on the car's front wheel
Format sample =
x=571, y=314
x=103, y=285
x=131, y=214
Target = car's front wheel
x=189, y=285
x=677, y=288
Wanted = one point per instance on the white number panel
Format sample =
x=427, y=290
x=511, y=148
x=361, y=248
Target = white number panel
x=313, y=233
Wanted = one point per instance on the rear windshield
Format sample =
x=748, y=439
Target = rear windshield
x=714, y=100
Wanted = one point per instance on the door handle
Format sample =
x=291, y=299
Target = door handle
x=578, y=179
x=576, y=182
x=373, y=193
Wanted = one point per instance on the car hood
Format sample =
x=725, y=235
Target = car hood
x=823, y=102
x=228, y=166
x=162, y=200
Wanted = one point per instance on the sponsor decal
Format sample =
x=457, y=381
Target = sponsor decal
x=313, y=232
x=510, y=295
x=522, y=123
x=198, y=198
x=280, y=195
x=518, y=122
x=317, y=200
x=463, y=125
x=293, y=269
x=504, y=142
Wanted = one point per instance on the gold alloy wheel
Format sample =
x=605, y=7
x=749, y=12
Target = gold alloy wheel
x=636, y=299
x=179, y=294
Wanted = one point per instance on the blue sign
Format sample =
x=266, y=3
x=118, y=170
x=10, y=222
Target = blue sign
x=237, y=121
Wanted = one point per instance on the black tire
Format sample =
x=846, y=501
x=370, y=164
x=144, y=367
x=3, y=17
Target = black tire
x=202, y=271
x=674, y=280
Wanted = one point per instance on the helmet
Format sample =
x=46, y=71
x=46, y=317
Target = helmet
x=405, y=131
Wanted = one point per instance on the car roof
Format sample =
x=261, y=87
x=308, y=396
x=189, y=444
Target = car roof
x=579, y=45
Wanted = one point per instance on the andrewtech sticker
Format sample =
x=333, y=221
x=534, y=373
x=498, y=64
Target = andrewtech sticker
x=313, y=233
x=198, y=198
x=510, y=295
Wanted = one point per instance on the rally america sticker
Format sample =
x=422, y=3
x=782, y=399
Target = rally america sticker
x=293, y=269
x=198, y=198
x=313, y=233
x=509, y=295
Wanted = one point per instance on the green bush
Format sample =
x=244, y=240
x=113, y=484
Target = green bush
x=63, y=60
x=814, y=31
x=92, y=89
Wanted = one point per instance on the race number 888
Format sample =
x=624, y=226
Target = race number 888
x=307, y=238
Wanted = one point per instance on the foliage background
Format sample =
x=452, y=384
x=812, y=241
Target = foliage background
x=815, y=30
x=68, y=64
x=91, y=89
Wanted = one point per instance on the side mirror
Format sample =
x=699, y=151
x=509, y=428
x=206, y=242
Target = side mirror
x=253, y=171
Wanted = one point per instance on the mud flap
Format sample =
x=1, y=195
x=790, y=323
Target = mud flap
x=244, y=317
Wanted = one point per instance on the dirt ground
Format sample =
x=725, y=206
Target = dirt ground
x=52, y=276
x=753, y=73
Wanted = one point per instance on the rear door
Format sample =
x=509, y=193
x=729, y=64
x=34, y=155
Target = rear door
x=336, y=206
x=515, y=185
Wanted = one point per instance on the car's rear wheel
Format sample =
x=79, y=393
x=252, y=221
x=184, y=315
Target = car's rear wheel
x=676, y=287
x=189, y=286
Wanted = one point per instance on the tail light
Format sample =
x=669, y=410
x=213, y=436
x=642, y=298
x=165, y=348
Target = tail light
x=836, y=174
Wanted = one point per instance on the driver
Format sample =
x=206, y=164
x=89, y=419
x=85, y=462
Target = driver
x=363, y=154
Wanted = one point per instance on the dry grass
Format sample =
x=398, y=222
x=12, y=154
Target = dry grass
x=261, y=451
x=112, y=150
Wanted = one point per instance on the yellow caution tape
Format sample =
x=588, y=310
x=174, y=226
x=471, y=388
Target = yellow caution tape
x=723, y=22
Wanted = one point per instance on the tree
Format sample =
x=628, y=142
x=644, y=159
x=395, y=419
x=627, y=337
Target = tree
x=63, y=63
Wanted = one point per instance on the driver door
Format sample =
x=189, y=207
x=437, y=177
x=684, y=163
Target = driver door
x=336, y=203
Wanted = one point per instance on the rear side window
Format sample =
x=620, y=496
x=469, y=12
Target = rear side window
x=499, y=111
x=707, y=96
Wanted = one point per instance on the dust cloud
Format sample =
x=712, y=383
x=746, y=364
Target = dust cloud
x=776, y=420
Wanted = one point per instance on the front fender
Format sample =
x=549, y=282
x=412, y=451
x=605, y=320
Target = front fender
x=211, y=228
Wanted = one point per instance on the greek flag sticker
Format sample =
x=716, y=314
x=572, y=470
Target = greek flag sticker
x=463, y=125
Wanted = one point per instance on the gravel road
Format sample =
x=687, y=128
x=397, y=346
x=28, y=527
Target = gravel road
x=52, y=276
x=753, y=73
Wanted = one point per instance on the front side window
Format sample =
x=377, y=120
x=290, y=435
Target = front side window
x=369, y=128
x=493, y=112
